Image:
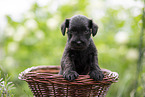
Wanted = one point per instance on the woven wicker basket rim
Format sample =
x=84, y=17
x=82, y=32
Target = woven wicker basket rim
x=45, y=74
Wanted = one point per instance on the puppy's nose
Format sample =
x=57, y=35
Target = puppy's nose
x=78, y=42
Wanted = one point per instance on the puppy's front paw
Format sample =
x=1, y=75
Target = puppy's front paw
x=96, y=75
x=71, y=76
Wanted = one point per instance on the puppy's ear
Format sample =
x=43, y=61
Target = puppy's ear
x=64, y=25
x=94, y=27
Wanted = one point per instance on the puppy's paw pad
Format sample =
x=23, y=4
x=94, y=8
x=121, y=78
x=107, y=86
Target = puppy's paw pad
x=71, y=76
x=96, y=75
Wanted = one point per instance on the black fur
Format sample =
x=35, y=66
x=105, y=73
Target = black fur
x=80, y=55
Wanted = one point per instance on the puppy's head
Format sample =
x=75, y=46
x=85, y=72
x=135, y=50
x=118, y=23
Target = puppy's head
x=79, y=30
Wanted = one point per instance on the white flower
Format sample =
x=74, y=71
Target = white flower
x=52, y=22
x=132, y=54
x=31, y=24
x=12, y=47
x=20, y=33
x=121, y=37
x=40, y=34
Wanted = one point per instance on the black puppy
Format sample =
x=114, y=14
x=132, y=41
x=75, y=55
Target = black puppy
x=80, y=55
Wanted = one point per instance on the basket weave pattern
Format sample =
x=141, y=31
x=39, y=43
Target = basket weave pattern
x=44, y=81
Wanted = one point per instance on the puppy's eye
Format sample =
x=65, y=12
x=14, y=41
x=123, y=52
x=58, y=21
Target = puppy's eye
x=71, y=32
x=86, y=32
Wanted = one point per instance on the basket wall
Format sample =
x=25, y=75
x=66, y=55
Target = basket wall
x=44, y=81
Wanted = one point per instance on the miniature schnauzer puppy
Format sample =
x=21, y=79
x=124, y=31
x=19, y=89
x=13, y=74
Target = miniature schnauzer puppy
x=80, y=55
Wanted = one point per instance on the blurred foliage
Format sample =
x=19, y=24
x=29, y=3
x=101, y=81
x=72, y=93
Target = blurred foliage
x=6, y=87
x=36, y=40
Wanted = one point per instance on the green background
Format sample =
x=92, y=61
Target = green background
x=36, y=40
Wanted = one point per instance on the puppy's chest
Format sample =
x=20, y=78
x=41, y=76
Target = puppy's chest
x=81, y=59
x=82, y=63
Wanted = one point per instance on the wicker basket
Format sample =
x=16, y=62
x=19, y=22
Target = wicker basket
x=44, y=81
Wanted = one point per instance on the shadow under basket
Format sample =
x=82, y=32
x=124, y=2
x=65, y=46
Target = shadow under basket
x=44, y=81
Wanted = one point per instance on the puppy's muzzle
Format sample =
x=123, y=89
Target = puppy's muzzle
x=78, y=44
